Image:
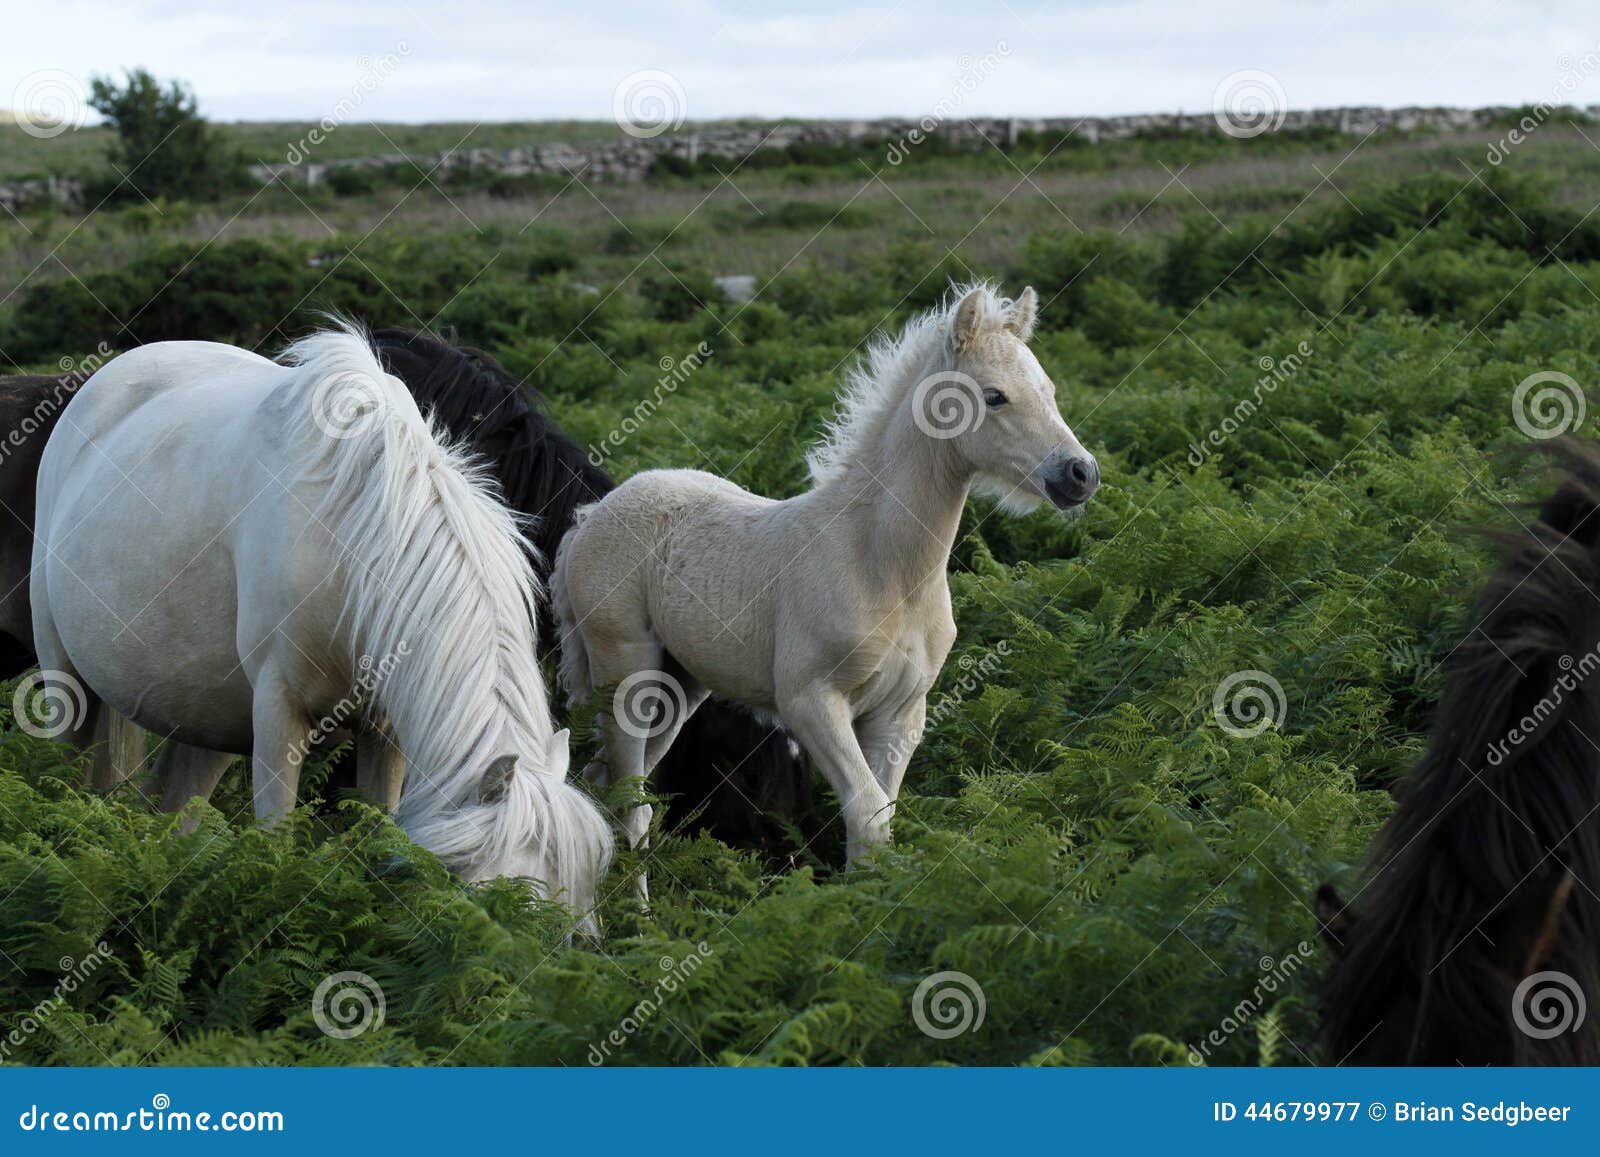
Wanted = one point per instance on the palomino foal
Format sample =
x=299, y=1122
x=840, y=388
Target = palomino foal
x=829, y=609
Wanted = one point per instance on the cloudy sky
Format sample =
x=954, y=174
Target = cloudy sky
x=484, y=60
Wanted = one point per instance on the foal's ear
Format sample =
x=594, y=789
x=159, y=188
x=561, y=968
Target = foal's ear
x=970, y=316
x=1024, y=313
x=497, y=779
x=1335, y=922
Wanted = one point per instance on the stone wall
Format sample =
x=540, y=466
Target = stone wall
x=629, y=159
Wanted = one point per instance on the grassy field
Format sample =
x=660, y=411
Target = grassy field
x=1295, y=361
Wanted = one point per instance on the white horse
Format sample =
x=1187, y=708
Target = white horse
x=829, y=609
x=236, y=554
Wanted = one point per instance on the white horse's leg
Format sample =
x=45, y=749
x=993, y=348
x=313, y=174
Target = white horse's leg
x=887, y=740
x=184, y=773
x=280, y=727
x=118, y=749
x=380, y=768
x=820, y=718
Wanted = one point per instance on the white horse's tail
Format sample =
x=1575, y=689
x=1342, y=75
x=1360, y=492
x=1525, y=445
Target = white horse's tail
x=576, y=678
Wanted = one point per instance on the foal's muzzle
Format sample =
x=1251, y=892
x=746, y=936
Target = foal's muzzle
x=1072, y=481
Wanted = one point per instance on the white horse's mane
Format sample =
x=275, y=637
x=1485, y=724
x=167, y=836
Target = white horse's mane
x=440, y=591
x=874, y=386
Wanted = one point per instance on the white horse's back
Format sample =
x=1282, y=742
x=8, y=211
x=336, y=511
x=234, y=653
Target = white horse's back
x=112, y=502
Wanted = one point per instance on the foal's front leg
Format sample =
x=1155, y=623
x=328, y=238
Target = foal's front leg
x=281, y=728
x=820, y=718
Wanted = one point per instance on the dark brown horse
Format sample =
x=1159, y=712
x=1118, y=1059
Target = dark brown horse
x=1475, y=938
x=744, y=782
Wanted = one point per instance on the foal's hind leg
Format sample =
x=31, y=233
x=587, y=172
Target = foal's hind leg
x=628, y=675
x=682, y=696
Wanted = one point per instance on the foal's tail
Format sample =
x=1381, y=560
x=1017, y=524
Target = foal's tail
x=576, y=677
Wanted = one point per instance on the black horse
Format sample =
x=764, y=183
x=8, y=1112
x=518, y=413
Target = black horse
x=746, y=783
x=1476, y=936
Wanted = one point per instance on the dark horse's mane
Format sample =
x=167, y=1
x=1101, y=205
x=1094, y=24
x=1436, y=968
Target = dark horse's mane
x=745, y=782
x=543, y=473
x=1481, y=886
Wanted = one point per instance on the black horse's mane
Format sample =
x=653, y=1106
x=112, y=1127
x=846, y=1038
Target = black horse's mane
x=1487, y=872
x=543, y=473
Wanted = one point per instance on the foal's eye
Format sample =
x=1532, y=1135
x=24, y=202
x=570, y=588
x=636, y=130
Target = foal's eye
x=994, y=399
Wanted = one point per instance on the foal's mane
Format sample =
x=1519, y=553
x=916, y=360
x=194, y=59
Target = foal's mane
x=1465, y=893
x=874, y=386
x=440, y=590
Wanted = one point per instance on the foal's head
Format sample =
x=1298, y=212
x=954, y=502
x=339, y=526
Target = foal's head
x=1012, y=437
